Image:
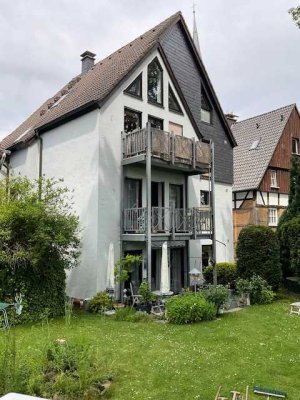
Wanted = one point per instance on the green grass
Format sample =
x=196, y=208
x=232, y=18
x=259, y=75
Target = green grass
x=259, y=345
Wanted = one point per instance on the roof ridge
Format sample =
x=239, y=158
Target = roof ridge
x=265, y=113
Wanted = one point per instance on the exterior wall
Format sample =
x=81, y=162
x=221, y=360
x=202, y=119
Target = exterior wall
x=189, y=78
x=71, y=152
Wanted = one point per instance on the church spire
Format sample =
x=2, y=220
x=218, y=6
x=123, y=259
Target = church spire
x=195, y=31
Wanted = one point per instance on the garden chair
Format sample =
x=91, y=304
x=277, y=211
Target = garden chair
x=4, y=306
x=135, y=298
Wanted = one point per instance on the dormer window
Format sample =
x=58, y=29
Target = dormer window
x=206, y=109
x=135, y=88
x=155, y=82
x=295, y=146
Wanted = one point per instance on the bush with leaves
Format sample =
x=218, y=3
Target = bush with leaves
x=125, y=266
x=217, y=295
x=258, y=253
x=100, y=303
x=257, y=288
x=290, y=234
x=226, y=273
x=189, y=308
x=39, y=241
x=131, y=315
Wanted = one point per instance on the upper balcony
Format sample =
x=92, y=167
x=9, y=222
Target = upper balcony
x=167, y=151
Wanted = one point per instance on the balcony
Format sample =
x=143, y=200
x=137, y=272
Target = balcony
x=167, y=150
x=166, y=222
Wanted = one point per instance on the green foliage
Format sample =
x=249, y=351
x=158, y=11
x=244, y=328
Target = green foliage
x=145, y=292
x=287, y=250
x=125, y=266
x=39, y=240
x=189, y=308
x=218, y=295
x=226, y=273
x=131, y=315
x=295, y=13
x=258, y=253
x=257, y=288
x=100, y=303
x=290, y=235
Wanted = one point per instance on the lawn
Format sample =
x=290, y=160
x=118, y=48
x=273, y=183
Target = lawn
x=258, y=345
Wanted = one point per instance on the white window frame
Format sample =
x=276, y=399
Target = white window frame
x=296, y=141
x=272, y=217
x=205, y=116
x=273, y=174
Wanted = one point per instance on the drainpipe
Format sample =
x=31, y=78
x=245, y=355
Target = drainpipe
x=40, y=168
x=148, y=180
x=213, y=209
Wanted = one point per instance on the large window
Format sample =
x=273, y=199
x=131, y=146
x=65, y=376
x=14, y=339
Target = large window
x=295, y=146
x=273, y=217
x=173, y=102
x=132, y=120
x=274, y=179
x=135, y=88
x=155, y=82
x=206, y=109
x=156, y=122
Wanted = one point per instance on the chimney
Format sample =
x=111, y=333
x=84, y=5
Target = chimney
x=87, y=60
x=231, y=119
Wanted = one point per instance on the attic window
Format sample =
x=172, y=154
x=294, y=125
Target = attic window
x=155, y=82
x=295, y=146
x=255, y=144
x=135, y=88
x=206, y=108
x=58, y=101
x=173, y=102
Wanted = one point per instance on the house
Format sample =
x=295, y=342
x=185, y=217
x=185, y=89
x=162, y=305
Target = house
x=134, y=134
x=262, y=163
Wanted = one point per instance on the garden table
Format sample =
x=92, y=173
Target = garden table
x=295, y=308
x=17, y=396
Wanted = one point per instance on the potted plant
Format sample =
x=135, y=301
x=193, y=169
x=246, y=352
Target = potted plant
x=147, y=297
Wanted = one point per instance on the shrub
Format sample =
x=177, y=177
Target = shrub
x=145, y=292
x=289, y=234
x=258, y=253
x=100, y=303
x=257, y=288
x=216, y=295
x=226, y=272
x=39, y=240
x=131, y=315
x=187, y=309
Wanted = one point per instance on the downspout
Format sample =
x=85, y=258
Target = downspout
x=213, y=209
x=40, y=167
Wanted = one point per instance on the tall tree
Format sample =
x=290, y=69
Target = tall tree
x=295, y=13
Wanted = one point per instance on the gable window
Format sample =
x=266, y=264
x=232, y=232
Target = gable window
x=156, y=122
x=176, y=129
x=135, y=88
x=272, y=218
x=274, y=179
x=206, y=109
x=155, y=82
x=295, y=146
x=173, y=102
x=132, y=120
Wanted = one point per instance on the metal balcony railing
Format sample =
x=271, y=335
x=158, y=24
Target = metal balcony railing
x=169, y=147
x=165, y=220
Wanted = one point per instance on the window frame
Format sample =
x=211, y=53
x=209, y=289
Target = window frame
x=151, y=101
x=202, y=109
x=208, y=194
x=296, y=141
x=135, y=111
x=172, y=93
x=272, y=216
x=158, y=119
x=273, y=179
x=139, y=77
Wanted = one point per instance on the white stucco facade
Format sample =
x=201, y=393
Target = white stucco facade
x=86, y=153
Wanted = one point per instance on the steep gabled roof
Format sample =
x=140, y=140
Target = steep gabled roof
x=90, y=90
x=262, y=133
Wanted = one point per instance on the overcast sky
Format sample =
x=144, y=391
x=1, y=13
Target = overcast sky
x=250, y=48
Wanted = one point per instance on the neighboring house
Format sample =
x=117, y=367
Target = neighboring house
x=262, y=162
x=123, y=194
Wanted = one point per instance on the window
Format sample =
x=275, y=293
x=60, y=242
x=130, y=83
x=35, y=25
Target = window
x=274, y=179
x=206, y=109
x=155, y=82
x=272, y=216
x=156, y=122
x=204, y=198
x=135, y=88
x=255, y=144
x=175, y=128
x=295, y=146
x=173, y=102
x=133, y=193
x=132, y=120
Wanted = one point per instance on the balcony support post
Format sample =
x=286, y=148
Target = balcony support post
x=194, y=223
x=194, y=153
x=173, y=221
x=173, y=148
x=148, y=182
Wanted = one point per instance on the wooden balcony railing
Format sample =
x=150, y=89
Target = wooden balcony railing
x=168, y=147
x=165, y=220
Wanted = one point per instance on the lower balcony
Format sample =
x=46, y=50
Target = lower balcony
x=167, y=223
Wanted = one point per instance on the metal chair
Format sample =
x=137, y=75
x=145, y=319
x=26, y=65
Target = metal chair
x=135, y=298
x=18, y=306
